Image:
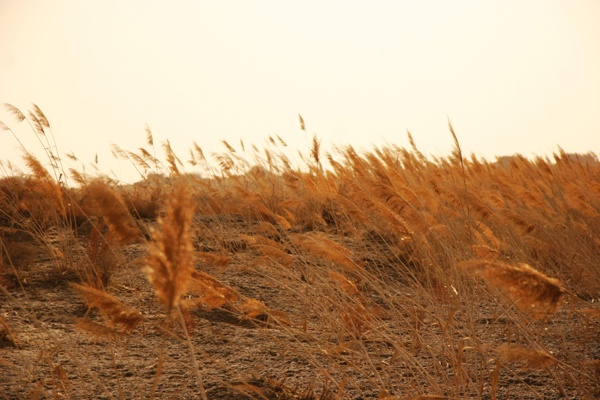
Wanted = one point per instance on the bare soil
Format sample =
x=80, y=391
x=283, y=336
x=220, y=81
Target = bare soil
x=42, y=355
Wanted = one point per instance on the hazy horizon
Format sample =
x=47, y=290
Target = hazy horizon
x=512, y=76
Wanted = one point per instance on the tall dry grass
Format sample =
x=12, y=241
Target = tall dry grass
x=371, y=256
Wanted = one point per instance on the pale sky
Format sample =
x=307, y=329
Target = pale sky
x=514, y=76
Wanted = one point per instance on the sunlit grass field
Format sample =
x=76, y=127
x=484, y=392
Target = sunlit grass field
x=244, y=273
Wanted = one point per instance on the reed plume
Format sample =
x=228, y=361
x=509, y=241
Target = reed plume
x=106, y=202
x=120, y=318
x=172, y=160
x=528, y=288
x=302, y=125
x=532, y=359
x=95, y=330
x=212, y=292
x=16, y=113
x=326, y=250
x=149, y=137
x=45, y=194
x=170, y=263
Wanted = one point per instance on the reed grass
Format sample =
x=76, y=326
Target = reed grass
x=527, y=287
x=356, y=265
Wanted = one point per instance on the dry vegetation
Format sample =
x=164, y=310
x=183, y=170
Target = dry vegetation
x=383, y=275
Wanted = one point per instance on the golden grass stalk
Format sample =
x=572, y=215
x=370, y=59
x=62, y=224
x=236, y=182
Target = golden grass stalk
x=528, y=288
x=170, y=263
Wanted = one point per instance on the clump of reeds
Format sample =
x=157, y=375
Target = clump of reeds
x=36, y=197
x=528, y=288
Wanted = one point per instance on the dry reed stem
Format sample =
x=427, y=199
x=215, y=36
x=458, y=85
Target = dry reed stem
x=528, y=288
